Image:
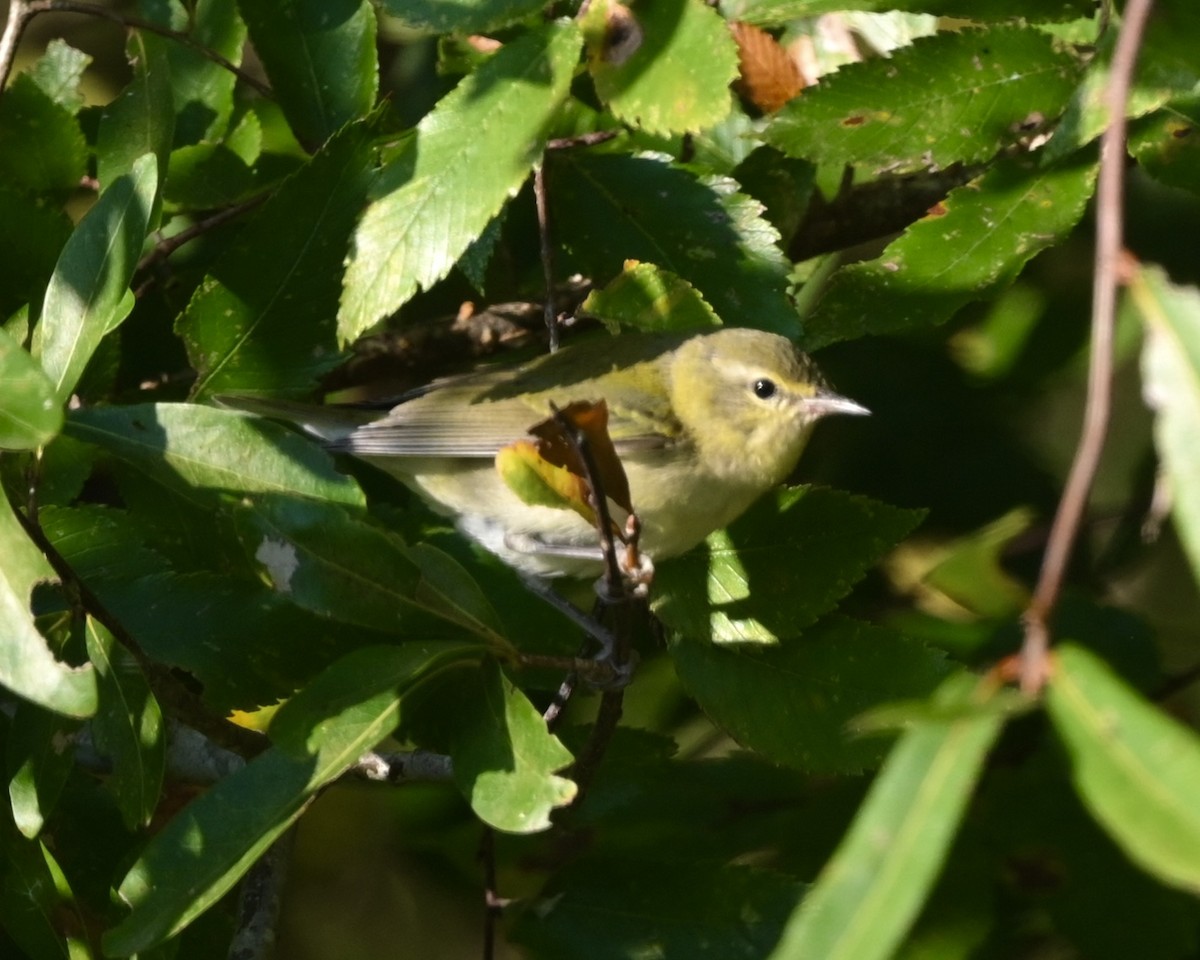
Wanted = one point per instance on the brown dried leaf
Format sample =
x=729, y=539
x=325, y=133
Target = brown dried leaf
x=769, y=77
x=591, y=420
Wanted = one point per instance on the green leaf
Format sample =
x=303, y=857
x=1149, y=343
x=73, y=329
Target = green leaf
x=954, y=97
x=1167, y=145
x=505, y=759
x=869, y=894
x=793, y=702
x=142, y=119
x=771, y=12
x=1171, y=382
x=39, y=755
x=971, y=573
x=612, y=208
x=207, y=847
x=1136, y=769
x=36, y=902
x=195, y=450
x=30, y=414
x=447, y=586
x=456, y=16
x=128, y=728
x=447, y=181
x=320, y=56
x=89, y=293
x=974, y=242
x=58, y=72
x=1168, y=54
x=27, y=667
x=27, y=255
x=245, y=644
x=326, y=561
x=361, y=688
x=779, y=567
x=604, y=909
x=263, y=319
x=42, y=149
x=207, y=176
x=646, y=297
x=202, y=90
x=676, y=79
x=1088, y=113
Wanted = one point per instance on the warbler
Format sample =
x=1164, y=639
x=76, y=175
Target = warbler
x=703, y=423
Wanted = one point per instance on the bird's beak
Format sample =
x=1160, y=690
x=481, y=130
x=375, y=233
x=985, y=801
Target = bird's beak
x=824, y=404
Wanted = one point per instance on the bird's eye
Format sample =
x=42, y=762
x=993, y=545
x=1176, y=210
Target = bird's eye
x=764, y=389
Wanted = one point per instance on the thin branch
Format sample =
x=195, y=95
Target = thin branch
x=583, y=140
x=168, y=245
x=394, y=768
x=19, y=16
x=493, y=903
x=547, y=249
x=595, y=672
x=28, y=10
x=1107, y=274
x=618, y=599
x=259, y=900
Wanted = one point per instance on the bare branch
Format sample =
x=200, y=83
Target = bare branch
x=21, y=12
x=1108, y=272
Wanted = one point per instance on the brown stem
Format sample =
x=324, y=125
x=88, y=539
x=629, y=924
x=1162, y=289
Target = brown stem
x=21, y=12
x=1107, y=274
x=168, y=245
x=19, y=16
x=547, y=250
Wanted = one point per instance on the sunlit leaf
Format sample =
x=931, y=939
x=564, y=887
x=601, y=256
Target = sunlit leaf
x=1136, y=768
x=39, y=755
x=58, y=72
x=779, y=567
x=207, y=847
x=192, y=449
x=456, y=16
x=615, y=208
x=27, y=666
x=320, y=56
x=452, y=176
x=670, y=70
x=783, y=11
x=644, y=296
x=868, y=895
x=954, y=97
x=974, y=242
x=89, y=293
x=505, y=759
x=1171, y=378
x=141, y=120
x=30, y=414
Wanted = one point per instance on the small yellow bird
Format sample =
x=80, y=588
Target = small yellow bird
x=704, y=424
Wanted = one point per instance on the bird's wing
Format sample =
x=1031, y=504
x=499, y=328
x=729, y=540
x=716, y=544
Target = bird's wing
x=444, y=425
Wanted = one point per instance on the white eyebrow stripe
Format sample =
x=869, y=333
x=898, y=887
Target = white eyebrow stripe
x=737, y=369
